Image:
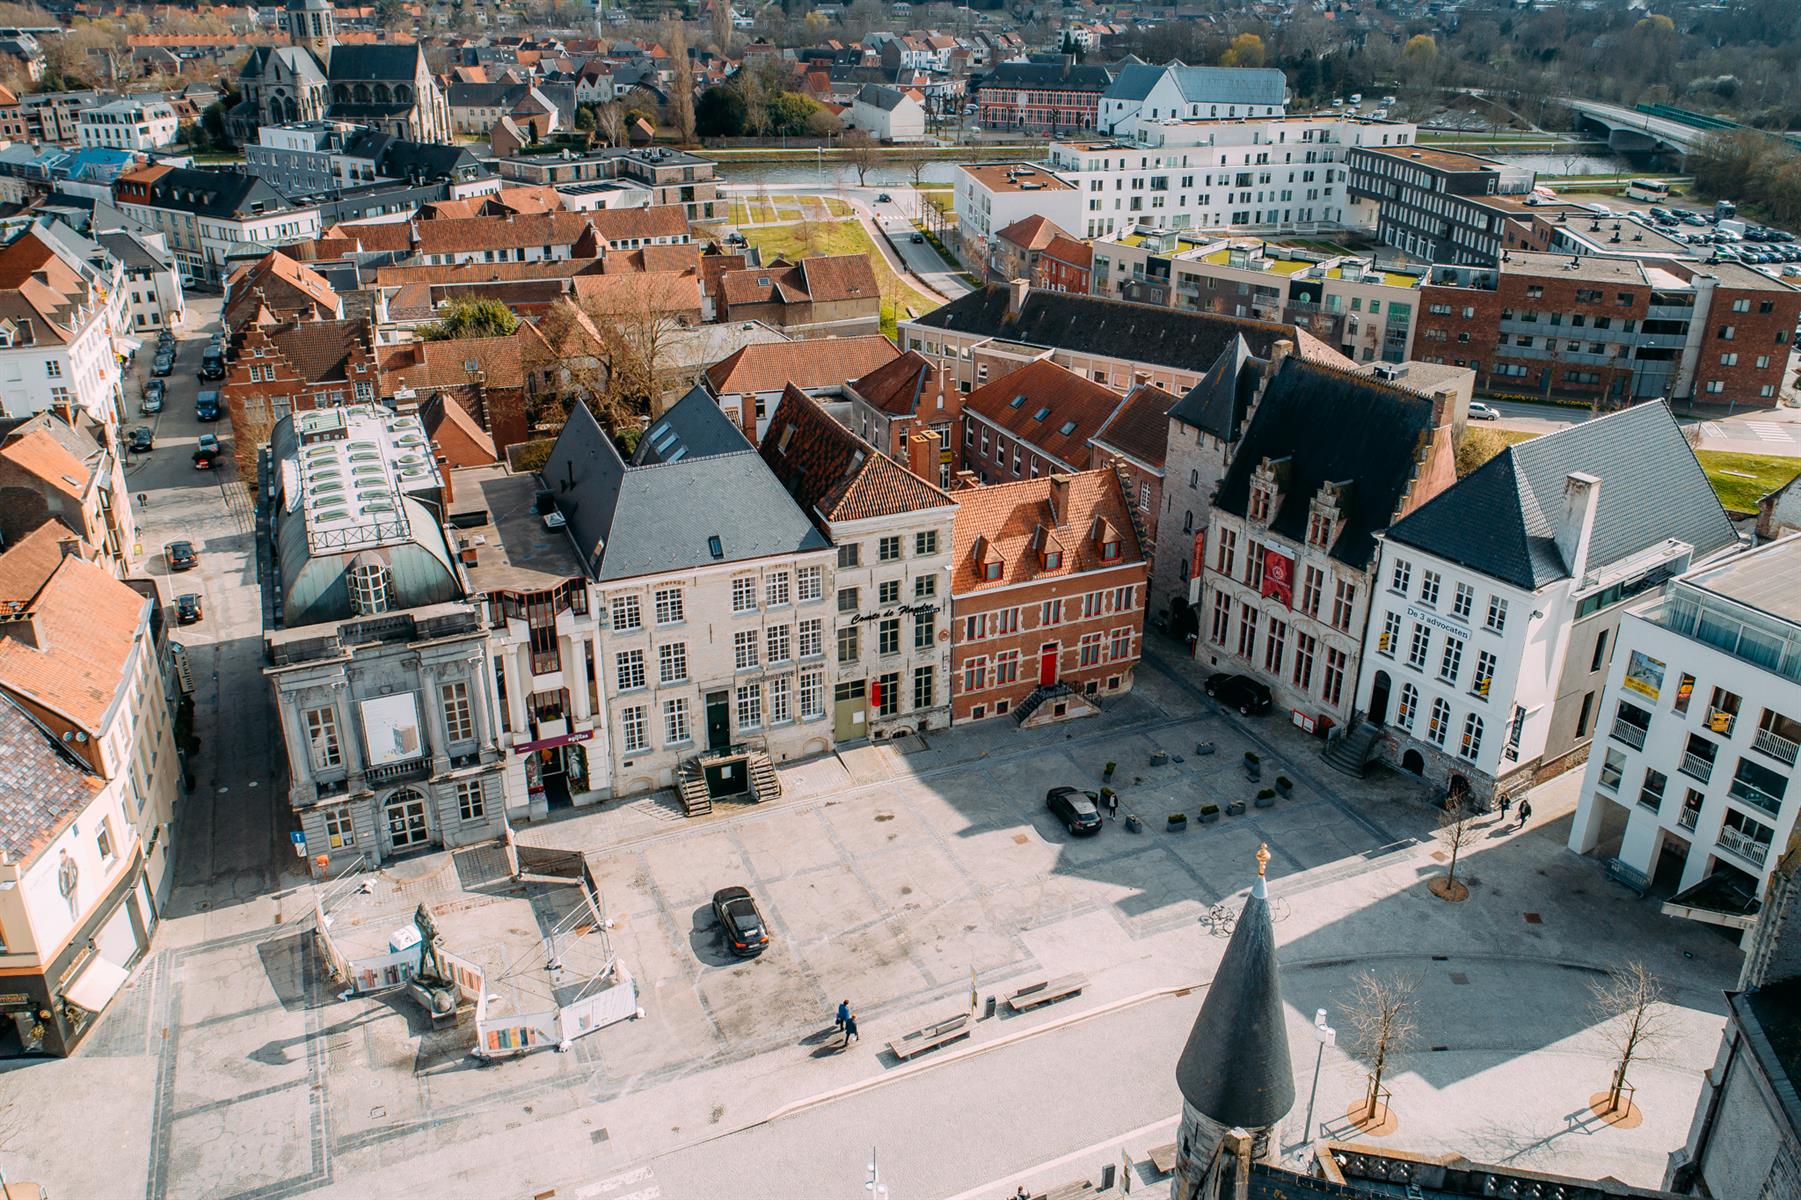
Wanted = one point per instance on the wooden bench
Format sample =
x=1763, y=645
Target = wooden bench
x=1046, y=991
x=1163, y=1158
x=931, y=1037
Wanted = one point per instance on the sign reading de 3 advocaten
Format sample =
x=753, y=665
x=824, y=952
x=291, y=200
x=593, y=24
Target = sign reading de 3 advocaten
x=1432, y=620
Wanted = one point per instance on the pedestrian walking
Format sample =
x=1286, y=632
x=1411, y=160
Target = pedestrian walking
x=1021, y=1195
x=1525, y=812
x=843, y=1015
x=1113, y=805
x=850, y=1028
x=1505, y=802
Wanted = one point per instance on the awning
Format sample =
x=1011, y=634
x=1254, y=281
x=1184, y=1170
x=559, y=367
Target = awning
x=96, y=985
x=127, y=345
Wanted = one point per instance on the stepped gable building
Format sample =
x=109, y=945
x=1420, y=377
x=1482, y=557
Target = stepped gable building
x=386, y=86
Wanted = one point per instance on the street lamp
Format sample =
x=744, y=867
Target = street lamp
x=1326, y=1036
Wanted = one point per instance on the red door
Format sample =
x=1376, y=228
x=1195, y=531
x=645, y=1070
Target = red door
x=1047, y=664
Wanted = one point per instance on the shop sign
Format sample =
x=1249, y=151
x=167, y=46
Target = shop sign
x=580, y=735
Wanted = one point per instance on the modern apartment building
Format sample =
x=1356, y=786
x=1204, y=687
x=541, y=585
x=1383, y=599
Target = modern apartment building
x=129, y=123
x=892, y=530
x=1692, y=776
x=667, y=176
x=1048, y=587
x=1612, y=331
x=1492, y=627
x=1440, y=205
x=715, y=589
x=989, y=197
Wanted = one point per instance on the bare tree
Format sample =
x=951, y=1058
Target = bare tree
x=609, y=122
x=862, y=153
x=1381, y=1020
x=1457, y=829
x=721, y=20
x=1629, y=1006
x=916, y=163
x=681, y=85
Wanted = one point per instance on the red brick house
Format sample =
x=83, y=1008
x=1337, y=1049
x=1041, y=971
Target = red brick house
x=1066, y=265
x=486, y=377
x=1034, y=421
x=1048, y=585
x=275, y=286
x=1134, y=441
x=1015, y=251
x=902, y=397
x=280, y=368
x=831, y=294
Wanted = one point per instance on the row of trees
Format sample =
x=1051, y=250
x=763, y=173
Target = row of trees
x=1753, y=168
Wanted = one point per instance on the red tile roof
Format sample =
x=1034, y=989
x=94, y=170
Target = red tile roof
x=1047, y=406
x=284, y=285
x=1011, y=522
x=43, y=456
x=1140, y=426
x=69, y=652
x=816, y=363
x=833, y=474
x=1032, y=233
x=1070, y=250
x=902, y=385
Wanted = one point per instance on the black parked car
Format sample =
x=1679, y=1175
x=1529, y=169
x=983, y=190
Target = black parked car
x=188, y=608
x=1079, y=811
x=142, y=440
x=1247, y=695
x=181, y=556
x=163, y=363
x=746, y=934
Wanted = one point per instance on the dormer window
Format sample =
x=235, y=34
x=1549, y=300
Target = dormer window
x=1319, y=529
x=1260, y=505
x=1109, y=551
x=1053, y=559
x=991, y=571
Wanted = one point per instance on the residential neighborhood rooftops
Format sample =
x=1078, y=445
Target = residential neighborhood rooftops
x=1047, y=406
x=816, y=363
x=832, y=473
x=1009, y=524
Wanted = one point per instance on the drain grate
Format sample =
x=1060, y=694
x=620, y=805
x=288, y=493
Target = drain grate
x=1459, y=978
x=598, y=1136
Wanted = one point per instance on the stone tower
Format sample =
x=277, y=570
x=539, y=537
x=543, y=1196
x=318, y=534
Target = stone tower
x=312, y=26
x=1235, y=1072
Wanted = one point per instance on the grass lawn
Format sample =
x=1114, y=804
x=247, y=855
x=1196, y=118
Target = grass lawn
x=1479, y=444
x=842, y=237
x=1741, y=480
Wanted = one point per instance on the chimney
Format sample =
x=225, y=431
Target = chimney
x=1277, y=353
x=1059, y=498
x=1017, y=290
x=1576, y=527
x=964, y=479
x=65, y=408
x=69, y=545
x=922, y=454
x=444, y=474
x=1140, y=378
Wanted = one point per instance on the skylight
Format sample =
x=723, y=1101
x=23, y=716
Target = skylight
x=1042, y=413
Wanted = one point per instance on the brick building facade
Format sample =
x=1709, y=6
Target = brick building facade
x=297, y=365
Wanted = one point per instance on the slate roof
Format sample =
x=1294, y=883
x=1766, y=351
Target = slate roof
x=1140, y=426
x=817, y=363
x=387, y=61
x=226, y=195
x=1333, y=427
x=1203, y=85
x=689, y=431
x=1048, y=407
x=1235, y=1066
x=42, y=788
x=1501, y=519
x=1219, y=402
x=877, y=95
x=648, y=519
x=1056, y=73
x=1005, y=520
x=1079, y=324
x=833, y=473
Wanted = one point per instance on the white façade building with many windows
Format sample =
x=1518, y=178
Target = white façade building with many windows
x=1492, y=625
x=1692, y=779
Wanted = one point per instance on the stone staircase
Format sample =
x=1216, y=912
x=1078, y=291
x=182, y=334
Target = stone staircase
x=764, y=785
x=1039, y=695
x=692, y=787
x=1351, y=753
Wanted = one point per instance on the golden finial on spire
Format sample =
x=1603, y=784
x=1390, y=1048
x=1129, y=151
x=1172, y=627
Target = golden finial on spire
x=1262, y=858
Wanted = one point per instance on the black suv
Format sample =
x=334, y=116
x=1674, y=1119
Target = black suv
x=746, y=935
x=1079, y=811
x=1249, y=696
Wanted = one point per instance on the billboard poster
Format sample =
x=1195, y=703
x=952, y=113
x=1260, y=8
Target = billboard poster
x=1644, y=675
x=1278, y=576
x=391, y=729
x=1200, y=553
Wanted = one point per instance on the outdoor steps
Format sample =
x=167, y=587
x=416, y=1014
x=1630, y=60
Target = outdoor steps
x=1031, y=703
x=764, y=785
x=1351, y=753
x=693, y=789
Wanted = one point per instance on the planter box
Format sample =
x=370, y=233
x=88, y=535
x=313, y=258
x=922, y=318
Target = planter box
x=1203, y=748
x=1178, y=821
x=1265, y=802
x=1159, y=759
x=1235, y=809
x=1209, y=818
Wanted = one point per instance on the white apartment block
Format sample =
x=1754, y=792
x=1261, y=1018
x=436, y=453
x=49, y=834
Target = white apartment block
x=59, y=345
x=133, y=123
x=1692, y=775
x=1266, y=173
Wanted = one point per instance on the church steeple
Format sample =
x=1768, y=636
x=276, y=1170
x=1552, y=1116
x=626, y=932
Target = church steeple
x=1235, y=1072
x=312, y=25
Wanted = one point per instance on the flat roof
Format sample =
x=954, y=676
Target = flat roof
x=514, y=550
x=1583, y=266
x=1767, y=579
x=1017, y=177
x=350, y=468
x=1429, y=156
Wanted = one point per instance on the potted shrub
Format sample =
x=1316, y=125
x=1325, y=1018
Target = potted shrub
x=1202, y=749
x=1284, y=784
x=1159, y=758
x=1252, y=758
x=1209, y=813
x=1179, y=821
x=1108, y=773
x=1266, y=797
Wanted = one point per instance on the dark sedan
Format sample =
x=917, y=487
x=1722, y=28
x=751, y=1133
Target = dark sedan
x=162, y=364
x=745, y=932
x=181, y=556
x=1249, y=696
x=1079, y=811
x=142, y=440
x=188, y=608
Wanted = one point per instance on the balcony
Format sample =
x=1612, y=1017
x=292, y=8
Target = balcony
x=1687, y=817
x=1721, y=721
x=412, y=768
x=1632, y=735
x=1755, y=796
x=1776, y=746
x=1696, y=767
x=1747, y=848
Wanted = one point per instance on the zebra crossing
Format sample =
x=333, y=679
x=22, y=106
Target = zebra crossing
x=1767, y=431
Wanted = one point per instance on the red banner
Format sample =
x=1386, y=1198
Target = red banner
x=1200, y=554
x=1278, y=576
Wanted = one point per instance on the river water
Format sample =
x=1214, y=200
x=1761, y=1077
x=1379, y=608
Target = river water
x=831, y=175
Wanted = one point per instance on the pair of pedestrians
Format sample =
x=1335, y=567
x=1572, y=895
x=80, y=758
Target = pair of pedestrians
x=1525, y=810
x=847, y=1022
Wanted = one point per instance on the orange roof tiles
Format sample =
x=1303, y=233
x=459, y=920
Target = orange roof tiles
x=69, y=652
x=833, y=474
x=40, y=454
x=816, y=363
x=1140, y=426
x=1008, y=523
x=1032, y=233
x=1047, y=406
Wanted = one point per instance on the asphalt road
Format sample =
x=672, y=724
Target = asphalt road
x=1775, y=432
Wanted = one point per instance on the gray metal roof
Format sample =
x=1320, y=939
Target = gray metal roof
x=1502, y=519
x=693, y=427
x=657, y=516
x=1202, y=85
x=1235, y=1067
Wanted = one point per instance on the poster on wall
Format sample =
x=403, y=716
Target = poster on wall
x=1200, y=553
x=1644, y=675
x=391, y=729
x=1278, y=576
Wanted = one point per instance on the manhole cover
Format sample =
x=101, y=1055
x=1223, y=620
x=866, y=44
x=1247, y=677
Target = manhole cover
x=1534, y=919
x=1021, y=838
x=1459, y=978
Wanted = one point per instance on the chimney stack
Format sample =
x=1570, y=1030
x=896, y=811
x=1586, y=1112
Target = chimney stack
x=1278, y=352
x=1017, y=290
x=922, y=454
x=70, y=545
x=1059, y=498
x=1576, y=527
x=964, y=479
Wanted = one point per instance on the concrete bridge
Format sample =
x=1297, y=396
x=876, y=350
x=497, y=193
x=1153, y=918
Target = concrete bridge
x=1632, y=132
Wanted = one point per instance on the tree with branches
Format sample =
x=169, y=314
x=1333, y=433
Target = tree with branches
x=681, y=86
x=471, y=318
x=1629, y=1007
x=609, y=122
x=1381, y=1018
x=861, y=152
x=1457, y=830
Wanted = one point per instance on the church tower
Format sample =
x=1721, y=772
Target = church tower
x=1235, y=1072
x=312, y=26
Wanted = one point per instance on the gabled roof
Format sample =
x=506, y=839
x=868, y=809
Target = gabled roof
x=1008, y=519
x=1333, y=427
x=877, y=95
x=320, y=350
x=833, y=474
x=1502, y=518
x=823, y=280
x=1203, y=85
x=1219, y=402
x=817, y=363
x=1235, y=1066
x=42, y=456
x=1079, y=324
x=42, y=787
x=899, y=386
x=1139, y=427
x=1032, y=233
x=285, y=285
x=68, y=653
x=1047, y=406
x=1070, y=250
x=1049, y=71
x=383, y=60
